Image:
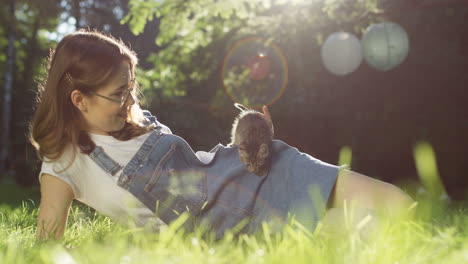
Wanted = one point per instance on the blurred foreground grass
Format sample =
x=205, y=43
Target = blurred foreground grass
x=94, y=238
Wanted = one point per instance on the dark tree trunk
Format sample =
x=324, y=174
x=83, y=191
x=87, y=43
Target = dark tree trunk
x=21, y=168
x=31, y=57
x=7, y=92
x=76, y=12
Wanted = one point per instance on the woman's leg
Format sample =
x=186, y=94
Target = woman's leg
x=361, y=191
x=365, y=200
x=339, y=222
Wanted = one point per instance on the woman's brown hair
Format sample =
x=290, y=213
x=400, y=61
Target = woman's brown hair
x=84, y=60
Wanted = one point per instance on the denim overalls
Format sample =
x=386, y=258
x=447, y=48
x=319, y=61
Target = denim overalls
x=166, y=175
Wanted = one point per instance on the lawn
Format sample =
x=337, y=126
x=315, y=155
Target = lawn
x=434, y=236
x=13, y=194
x=436, y=232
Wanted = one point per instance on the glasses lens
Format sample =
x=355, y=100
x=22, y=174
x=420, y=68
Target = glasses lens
x=123, y=99
x=124, y=95
x=126, y=92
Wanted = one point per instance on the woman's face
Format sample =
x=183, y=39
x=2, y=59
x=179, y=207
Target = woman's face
x=103, y=115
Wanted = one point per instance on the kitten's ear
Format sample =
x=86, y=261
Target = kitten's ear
x=263, y=151
x=241, y=107
x=267, y=116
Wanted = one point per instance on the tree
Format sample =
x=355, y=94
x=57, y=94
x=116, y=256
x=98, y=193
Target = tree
x=7, y=92
x=195, y=37
x=29, y=19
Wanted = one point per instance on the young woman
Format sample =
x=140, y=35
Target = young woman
x=97, y=146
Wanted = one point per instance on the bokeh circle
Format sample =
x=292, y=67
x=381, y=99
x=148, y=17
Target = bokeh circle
x=341, y=53
x=255, y=72
x=385, y=45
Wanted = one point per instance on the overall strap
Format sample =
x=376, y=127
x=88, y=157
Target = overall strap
x=111, y=166
x=107, y=163
x=104, y=161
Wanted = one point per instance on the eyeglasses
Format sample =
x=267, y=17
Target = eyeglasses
x=124, y=96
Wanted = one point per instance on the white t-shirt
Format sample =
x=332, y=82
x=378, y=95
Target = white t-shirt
x=96, y=188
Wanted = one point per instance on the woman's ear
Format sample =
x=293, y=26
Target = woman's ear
x=78, y=100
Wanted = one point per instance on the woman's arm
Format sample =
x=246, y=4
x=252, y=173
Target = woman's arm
x=56, y=199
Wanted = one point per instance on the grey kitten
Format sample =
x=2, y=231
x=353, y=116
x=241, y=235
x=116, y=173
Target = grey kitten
x=253, y=132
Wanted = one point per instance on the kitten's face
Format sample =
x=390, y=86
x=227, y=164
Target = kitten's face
x=256, y=160
x=253, y=134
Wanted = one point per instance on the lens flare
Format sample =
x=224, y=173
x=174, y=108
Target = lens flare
x=255, y=72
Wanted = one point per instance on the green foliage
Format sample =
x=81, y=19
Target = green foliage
x=195, y=35
x=142, y=12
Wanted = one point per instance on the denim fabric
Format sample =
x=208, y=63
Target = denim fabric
x=107, y=164
x=167, y=176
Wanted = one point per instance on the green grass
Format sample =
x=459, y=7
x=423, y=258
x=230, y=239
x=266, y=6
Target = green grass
x=93, y=238
x=12, y=194
x=437, y=233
